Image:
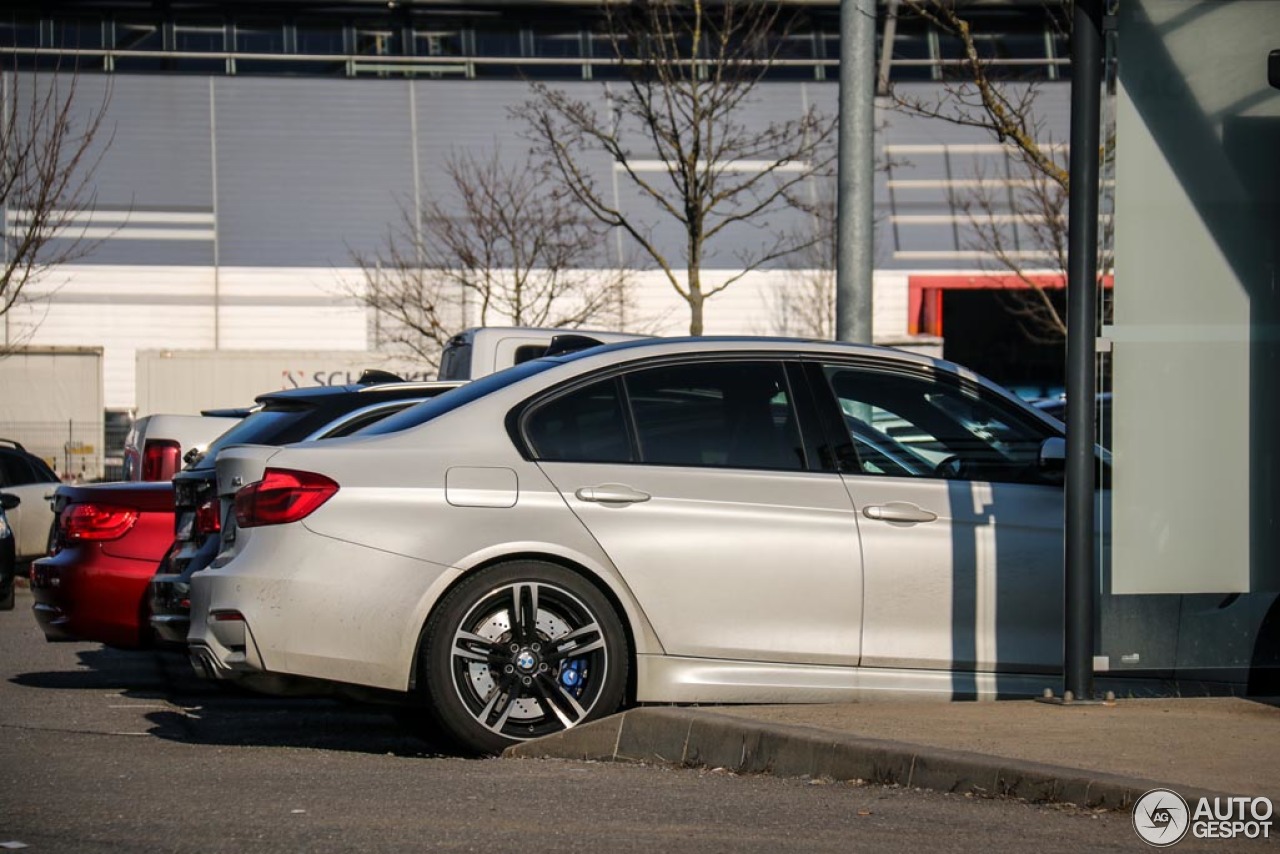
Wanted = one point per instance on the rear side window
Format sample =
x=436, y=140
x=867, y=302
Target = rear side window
x=14, y=470
x=19, y=469
x=734, y=414
x=586, y=425
x=716, y=414
x=41, y=470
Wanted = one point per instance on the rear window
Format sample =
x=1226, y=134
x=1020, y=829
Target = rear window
x=455, y=362
x=437, y=406
x=264, y=427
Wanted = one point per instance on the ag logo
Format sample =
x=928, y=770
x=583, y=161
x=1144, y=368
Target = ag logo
x=1161, y=817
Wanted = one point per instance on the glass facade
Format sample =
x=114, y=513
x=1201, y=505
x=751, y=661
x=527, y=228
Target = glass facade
x=505, y=41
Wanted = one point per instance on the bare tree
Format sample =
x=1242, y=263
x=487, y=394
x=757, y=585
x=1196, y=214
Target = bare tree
x=806, y=305
x=50, y=148
x=505, y=245
x=1032, y=212
x=1023, y=216
x=678, y=131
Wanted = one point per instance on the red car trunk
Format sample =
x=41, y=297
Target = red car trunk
x=106, y=544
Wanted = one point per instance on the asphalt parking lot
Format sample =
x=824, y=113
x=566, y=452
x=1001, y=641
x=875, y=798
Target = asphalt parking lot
x=102, y=750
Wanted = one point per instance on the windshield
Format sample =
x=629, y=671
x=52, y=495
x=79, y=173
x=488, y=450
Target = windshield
x=436, y=406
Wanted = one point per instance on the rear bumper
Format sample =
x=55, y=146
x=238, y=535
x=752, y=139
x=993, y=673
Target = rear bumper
x=170, y=593
x=208, y=665
x=170, y=608
x=288, y=604
x=84, y=594
x=221, y=646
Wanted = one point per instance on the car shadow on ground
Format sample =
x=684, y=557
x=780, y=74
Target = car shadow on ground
x=136, y=673
x=206, y=712
x=292, y=722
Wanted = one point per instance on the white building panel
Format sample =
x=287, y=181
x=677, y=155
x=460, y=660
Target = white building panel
x=124, y=310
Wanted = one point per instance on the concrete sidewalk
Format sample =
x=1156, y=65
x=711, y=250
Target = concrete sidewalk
x=1103, y=756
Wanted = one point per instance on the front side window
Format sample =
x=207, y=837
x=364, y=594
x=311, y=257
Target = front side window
x=909, y=425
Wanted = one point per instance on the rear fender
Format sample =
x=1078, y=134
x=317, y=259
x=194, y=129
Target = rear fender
x=596, y=569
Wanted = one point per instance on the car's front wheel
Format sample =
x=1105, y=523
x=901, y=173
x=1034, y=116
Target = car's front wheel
x=522, y=650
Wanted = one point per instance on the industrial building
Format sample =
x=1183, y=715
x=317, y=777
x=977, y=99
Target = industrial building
x=255, y=148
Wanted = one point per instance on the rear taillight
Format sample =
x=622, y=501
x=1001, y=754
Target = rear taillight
x=282, y=496
x=207, y=521
x=160, y=459
x=96, y=522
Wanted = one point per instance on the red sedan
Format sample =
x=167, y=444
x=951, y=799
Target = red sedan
x=105, y=547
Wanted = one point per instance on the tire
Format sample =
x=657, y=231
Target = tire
x=7, y=598
x=491, y=681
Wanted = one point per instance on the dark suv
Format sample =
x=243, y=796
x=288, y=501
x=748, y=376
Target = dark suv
x=294, y=415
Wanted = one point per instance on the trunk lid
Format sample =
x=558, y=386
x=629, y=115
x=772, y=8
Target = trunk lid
x=237, y=467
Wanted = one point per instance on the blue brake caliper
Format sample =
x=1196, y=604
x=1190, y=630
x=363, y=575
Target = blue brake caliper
x=571, y=675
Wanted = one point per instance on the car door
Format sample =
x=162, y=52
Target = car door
x=697, y=482
x=962, y=528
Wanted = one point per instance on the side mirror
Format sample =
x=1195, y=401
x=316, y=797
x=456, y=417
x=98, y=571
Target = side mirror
x=1053, y=454
x=9, y=501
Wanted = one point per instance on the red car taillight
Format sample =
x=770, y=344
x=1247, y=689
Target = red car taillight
x=160, y=459
x=207, y=520
x=282, y=496
x=96, y=522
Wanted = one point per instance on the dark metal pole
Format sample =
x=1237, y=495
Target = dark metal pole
x=1082, y=310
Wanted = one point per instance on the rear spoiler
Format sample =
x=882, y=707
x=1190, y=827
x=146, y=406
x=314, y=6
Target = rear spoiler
x=233, y=412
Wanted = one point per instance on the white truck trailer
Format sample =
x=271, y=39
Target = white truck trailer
x=51, y=403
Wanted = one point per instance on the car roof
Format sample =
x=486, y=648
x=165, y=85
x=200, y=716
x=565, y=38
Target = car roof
x=644, y=347
x=517, y=382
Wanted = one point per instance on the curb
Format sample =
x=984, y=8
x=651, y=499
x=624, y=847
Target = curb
x=697, y=738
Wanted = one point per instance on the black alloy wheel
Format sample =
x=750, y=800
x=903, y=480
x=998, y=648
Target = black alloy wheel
x=519, y=651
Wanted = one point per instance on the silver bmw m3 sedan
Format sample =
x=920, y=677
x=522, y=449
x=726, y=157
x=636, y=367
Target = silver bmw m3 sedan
x=665, y=520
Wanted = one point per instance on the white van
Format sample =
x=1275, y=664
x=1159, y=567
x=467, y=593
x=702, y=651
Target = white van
x=157, y=444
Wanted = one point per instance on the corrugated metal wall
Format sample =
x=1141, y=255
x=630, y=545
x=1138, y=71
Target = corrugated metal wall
x=307, y=171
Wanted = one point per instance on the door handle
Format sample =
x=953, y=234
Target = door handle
x=612, y=493
x=898, y=511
